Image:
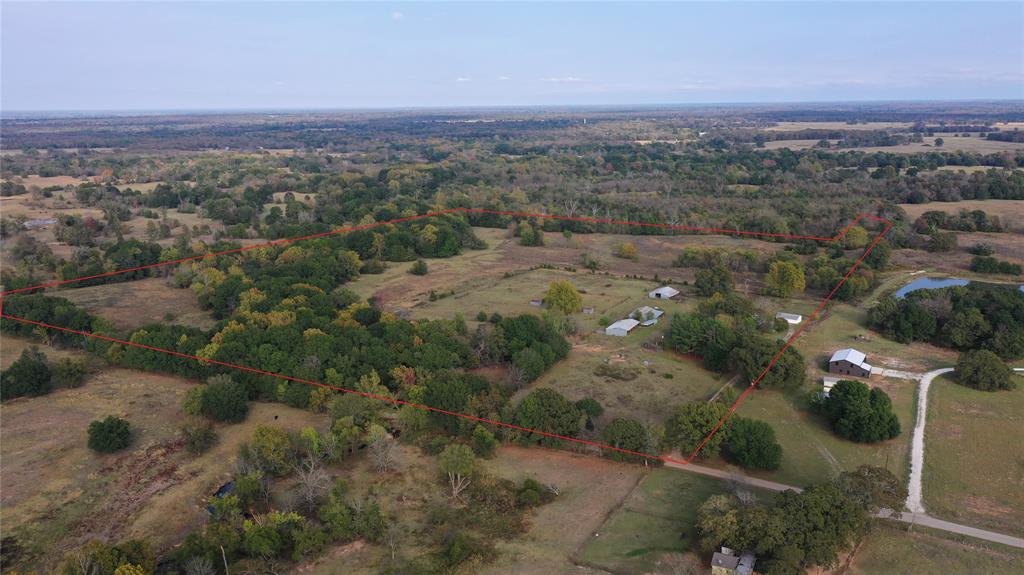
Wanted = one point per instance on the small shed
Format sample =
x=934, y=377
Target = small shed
x=849, y=362
x=646, y=313
x=664, y=292
x=791, y=318
x=621, y=328
x=827, y=383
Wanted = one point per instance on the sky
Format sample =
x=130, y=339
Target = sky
x=226, y=55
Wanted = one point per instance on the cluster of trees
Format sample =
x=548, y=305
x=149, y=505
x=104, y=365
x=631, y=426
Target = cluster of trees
x=975, y=316
x=797, y=531
x=747, y=442
x=982, y=369
x=858, y=413
x=965, y=221
x=33, y=374
x=724, y=347
x=991, y=265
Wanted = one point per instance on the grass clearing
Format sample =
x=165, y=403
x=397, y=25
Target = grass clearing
x=812, y=453
x=974, y=459
x=591, y=488
x=1010, y=209
x=133, y=304
x=658, y=517
x=921, y=552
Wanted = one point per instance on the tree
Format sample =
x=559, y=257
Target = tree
x=547, y=410
x=855, y=238
x=754, y=354
x=225, y=400
x=419, y=268
x=873, y=488
x=752, y=444
x=382, y=446
x=785, y=279
x=109, y=434
x=627, y=434
x=457, y=463
x=939, y=142
x=859, y=413
x=716, y=279
x=626, y=250
x=982, y=369
x=693, y=422
x=484, y=442
x=591, y=408
x=29, y=375
x=564, y=297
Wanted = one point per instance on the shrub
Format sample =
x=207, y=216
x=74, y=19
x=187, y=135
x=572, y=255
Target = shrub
x=225, y=400
x=626, y=434
x=109, y=434
x=192, y=404
x=29, y=375
x=752, y=444
x=481, y=316
x=199, y=438
x=591, y=408
x=983, y=370
x=626, y=250
x=419, y=268
x=69, y=373
x=484, y=442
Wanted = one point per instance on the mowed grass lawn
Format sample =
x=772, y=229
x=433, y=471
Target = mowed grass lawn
x=974, y=456
x=846, y=326
x=658, y=517
x=812, y=453
x=890, y=548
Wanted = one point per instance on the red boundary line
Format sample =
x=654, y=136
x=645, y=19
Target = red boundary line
x=735, y=405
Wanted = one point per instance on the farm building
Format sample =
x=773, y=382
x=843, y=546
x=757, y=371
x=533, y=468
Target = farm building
x=621, y=328
x=647, y=314
x=664, y=292
x=726, y=562
x=791, y=318
x=849, y=362
x=827, y=383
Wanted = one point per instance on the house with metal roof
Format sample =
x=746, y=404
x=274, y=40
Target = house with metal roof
x=621, y=328
x=664, y=292
x=849, y=362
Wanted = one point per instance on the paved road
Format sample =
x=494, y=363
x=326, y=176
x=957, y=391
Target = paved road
x=912, y=518
x=914, y=489
x=943, y=525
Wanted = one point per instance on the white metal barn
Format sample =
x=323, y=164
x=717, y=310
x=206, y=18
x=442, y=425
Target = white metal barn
x=664, y=292
x=791, y=318
x=621, y=328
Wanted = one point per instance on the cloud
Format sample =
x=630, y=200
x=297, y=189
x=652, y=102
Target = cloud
x=462, y=80
x=397, y=15
x=503, y=78
x=562, y=79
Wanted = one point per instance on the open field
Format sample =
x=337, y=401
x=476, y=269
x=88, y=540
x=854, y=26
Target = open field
x=952, y=144
x=475, y=272
x=797, y=126
x=923, y=553
x=591, y=489
x=47, y=181
x=1010, y=209
x=658, y=517
x=845, y=326
x=974, y=461
x=11, y=348
x=812, y=453
x=153, y=489
x=133, y=304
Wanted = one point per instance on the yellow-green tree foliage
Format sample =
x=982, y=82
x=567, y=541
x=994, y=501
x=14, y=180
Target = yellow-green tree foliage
x=562, y=296
x=785, y=279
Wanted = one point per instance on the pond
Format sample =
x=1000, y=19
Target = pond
x=934, y=283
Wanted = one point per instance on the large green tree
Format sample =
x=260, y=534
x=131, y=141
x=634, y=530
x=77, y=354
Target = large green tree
x=982, y=369
x=693, y=422
x=752, y=444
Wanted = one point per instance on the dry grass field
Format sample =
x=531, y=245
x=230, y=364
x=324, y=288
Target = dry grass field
x=1009, y=209
x=136, y=303
x=797, y=126
x=951, y=144
x=924, y=552
x=48, y=181
x=974, y=464
x=58, y=494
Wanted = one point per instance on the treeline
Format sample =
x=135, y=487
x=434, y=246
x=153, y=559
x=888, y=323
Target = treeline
x=964, y=221
x=794, y=531
x=975, y=316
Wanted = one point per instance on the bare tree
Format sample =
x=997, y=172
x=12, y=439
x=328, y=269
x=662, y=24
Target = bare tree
x=84, y=564
x=199, y=565
x=553, y=489
x=516, y=377
x=313, y=482
x=383, y=450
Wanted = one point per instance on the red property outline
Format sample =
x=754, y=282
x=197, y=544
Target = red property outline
x=735, y=405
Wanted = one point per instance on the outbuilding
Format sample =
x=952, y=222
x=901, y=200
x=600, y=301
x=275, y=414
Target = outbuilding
x=849, y=362
x=621, y=328
x=791, y=318
x=664, y=292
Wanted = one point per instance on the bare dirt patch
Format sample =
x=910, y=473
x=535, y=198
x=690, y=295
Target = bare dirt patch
x=133, y=304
